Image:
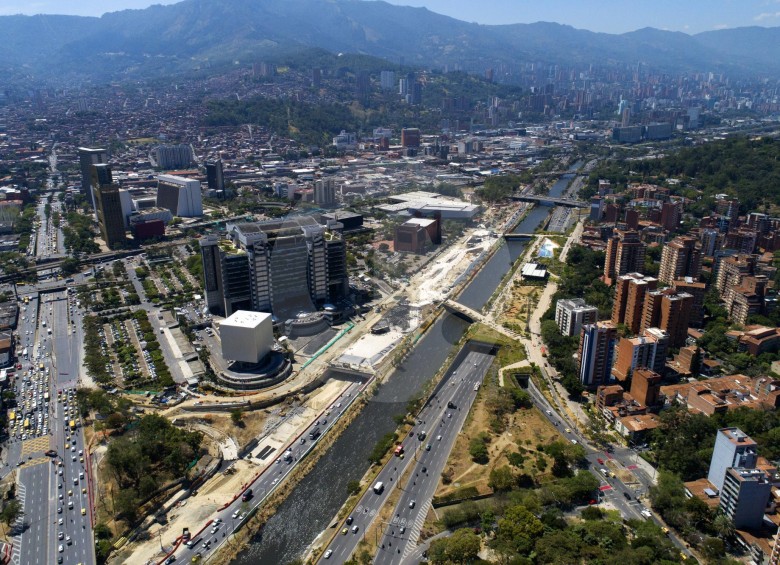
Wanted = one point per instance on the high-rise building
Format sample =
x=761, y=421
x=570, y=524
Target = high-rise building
x=362, y=83
x=572, y=314
x=645, y=351
x=680, y=258
x=731, y=271
x=325, y=191
x=387, y=80
x=710, y=241
x=630, y=299
x=747, y=298
x=733, y=448
x=625, y=254
x=173, y=156
x=87, y=158
x=742, y=239
x=108, y=206
x=597, y=344
x=180, y=195
x=215, y=178
x=646, y=387
x=744, y=497
x=670, y=311
x=282, y=266
x=670, y=215
x=410, y=137
x=697, y=290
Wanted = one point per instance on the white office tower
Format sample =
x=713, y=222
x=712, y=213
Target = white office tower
x=180, y=195
x=246, y=336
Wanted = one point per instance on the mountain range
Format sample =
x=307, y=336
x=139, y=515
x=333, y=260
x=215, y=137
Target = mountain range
x=197, y=33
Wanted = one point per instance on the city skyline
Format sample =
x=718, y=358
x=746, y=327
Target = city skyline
x=611, y=16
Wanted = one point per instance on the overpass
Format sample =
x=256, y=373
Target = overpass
x=510, y=235
x=571, y=202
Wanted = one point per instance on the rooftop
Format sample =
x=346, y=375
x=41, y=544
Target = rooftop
x=246, y=319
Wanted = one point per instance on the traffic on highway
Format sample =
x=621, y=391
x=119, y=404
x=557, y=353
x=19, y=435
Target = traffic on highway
x=203, y=540
x=425, y=452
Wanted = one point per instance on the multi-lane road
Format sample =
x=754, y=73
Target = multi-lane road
x=54, y=490
x=208, y=537
x=441, y=420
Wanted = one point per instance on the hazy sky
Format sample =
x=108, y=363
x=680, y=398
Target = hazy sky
x=613, y=16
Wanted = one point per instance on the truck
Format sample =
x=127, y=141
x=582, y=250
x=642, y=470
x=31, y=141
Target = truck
x=314, y=434
x=379, y=487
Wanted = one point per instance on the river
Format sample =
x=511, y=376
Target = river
x=313, y=503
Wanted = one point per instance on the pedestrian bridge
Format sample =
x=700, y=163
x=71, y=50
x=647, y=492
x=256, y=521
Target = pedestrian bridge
x=468, y=314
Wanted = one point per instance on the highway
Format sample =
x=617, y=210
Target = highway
x=401, y=534
x=207, y=538
x=73, y=482
x=52, y=489
x=441, y=425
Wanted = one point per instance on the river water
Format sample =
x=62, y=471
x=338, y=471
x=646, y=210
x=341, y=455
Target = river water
x=313, y=503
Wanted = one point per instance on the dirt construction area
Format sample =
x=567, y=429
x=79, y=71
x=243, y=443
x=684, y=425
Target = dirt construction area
x=526, y=428
x=275, y=428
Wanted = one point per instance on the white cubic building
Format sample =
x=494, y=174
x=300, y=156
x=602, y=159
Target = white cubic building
x=246, y=336
x=179, y=195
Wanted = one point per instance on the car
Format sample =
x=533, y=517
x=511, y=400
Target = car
x=59, y=510
x=235, y=514
x=70, y=505
x=344, y=531
x=665, y=530
x=349, y=520
x=428, y=447
x=355, y=529
x=215, y=528
x=604, y=472
x=61, y=548
x=600, y=460
x=424, y=469
x=328, y=554
x=70, y=492
x=83, y=511
x=60, y=536
x=438, y=438
x=68, y=540
x=567, y=430
x=402, y=530
x=628, y=496
x=411, y=504
x=60, y=520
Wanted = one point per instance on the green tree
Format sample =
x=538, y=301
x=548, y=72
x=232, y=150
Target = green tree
x=478, y=451
x=237, y=417
x=501, y=479
x=518, y=530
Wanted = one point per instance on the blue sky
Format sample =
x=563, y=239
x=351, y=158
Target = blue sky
x=612, y=16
